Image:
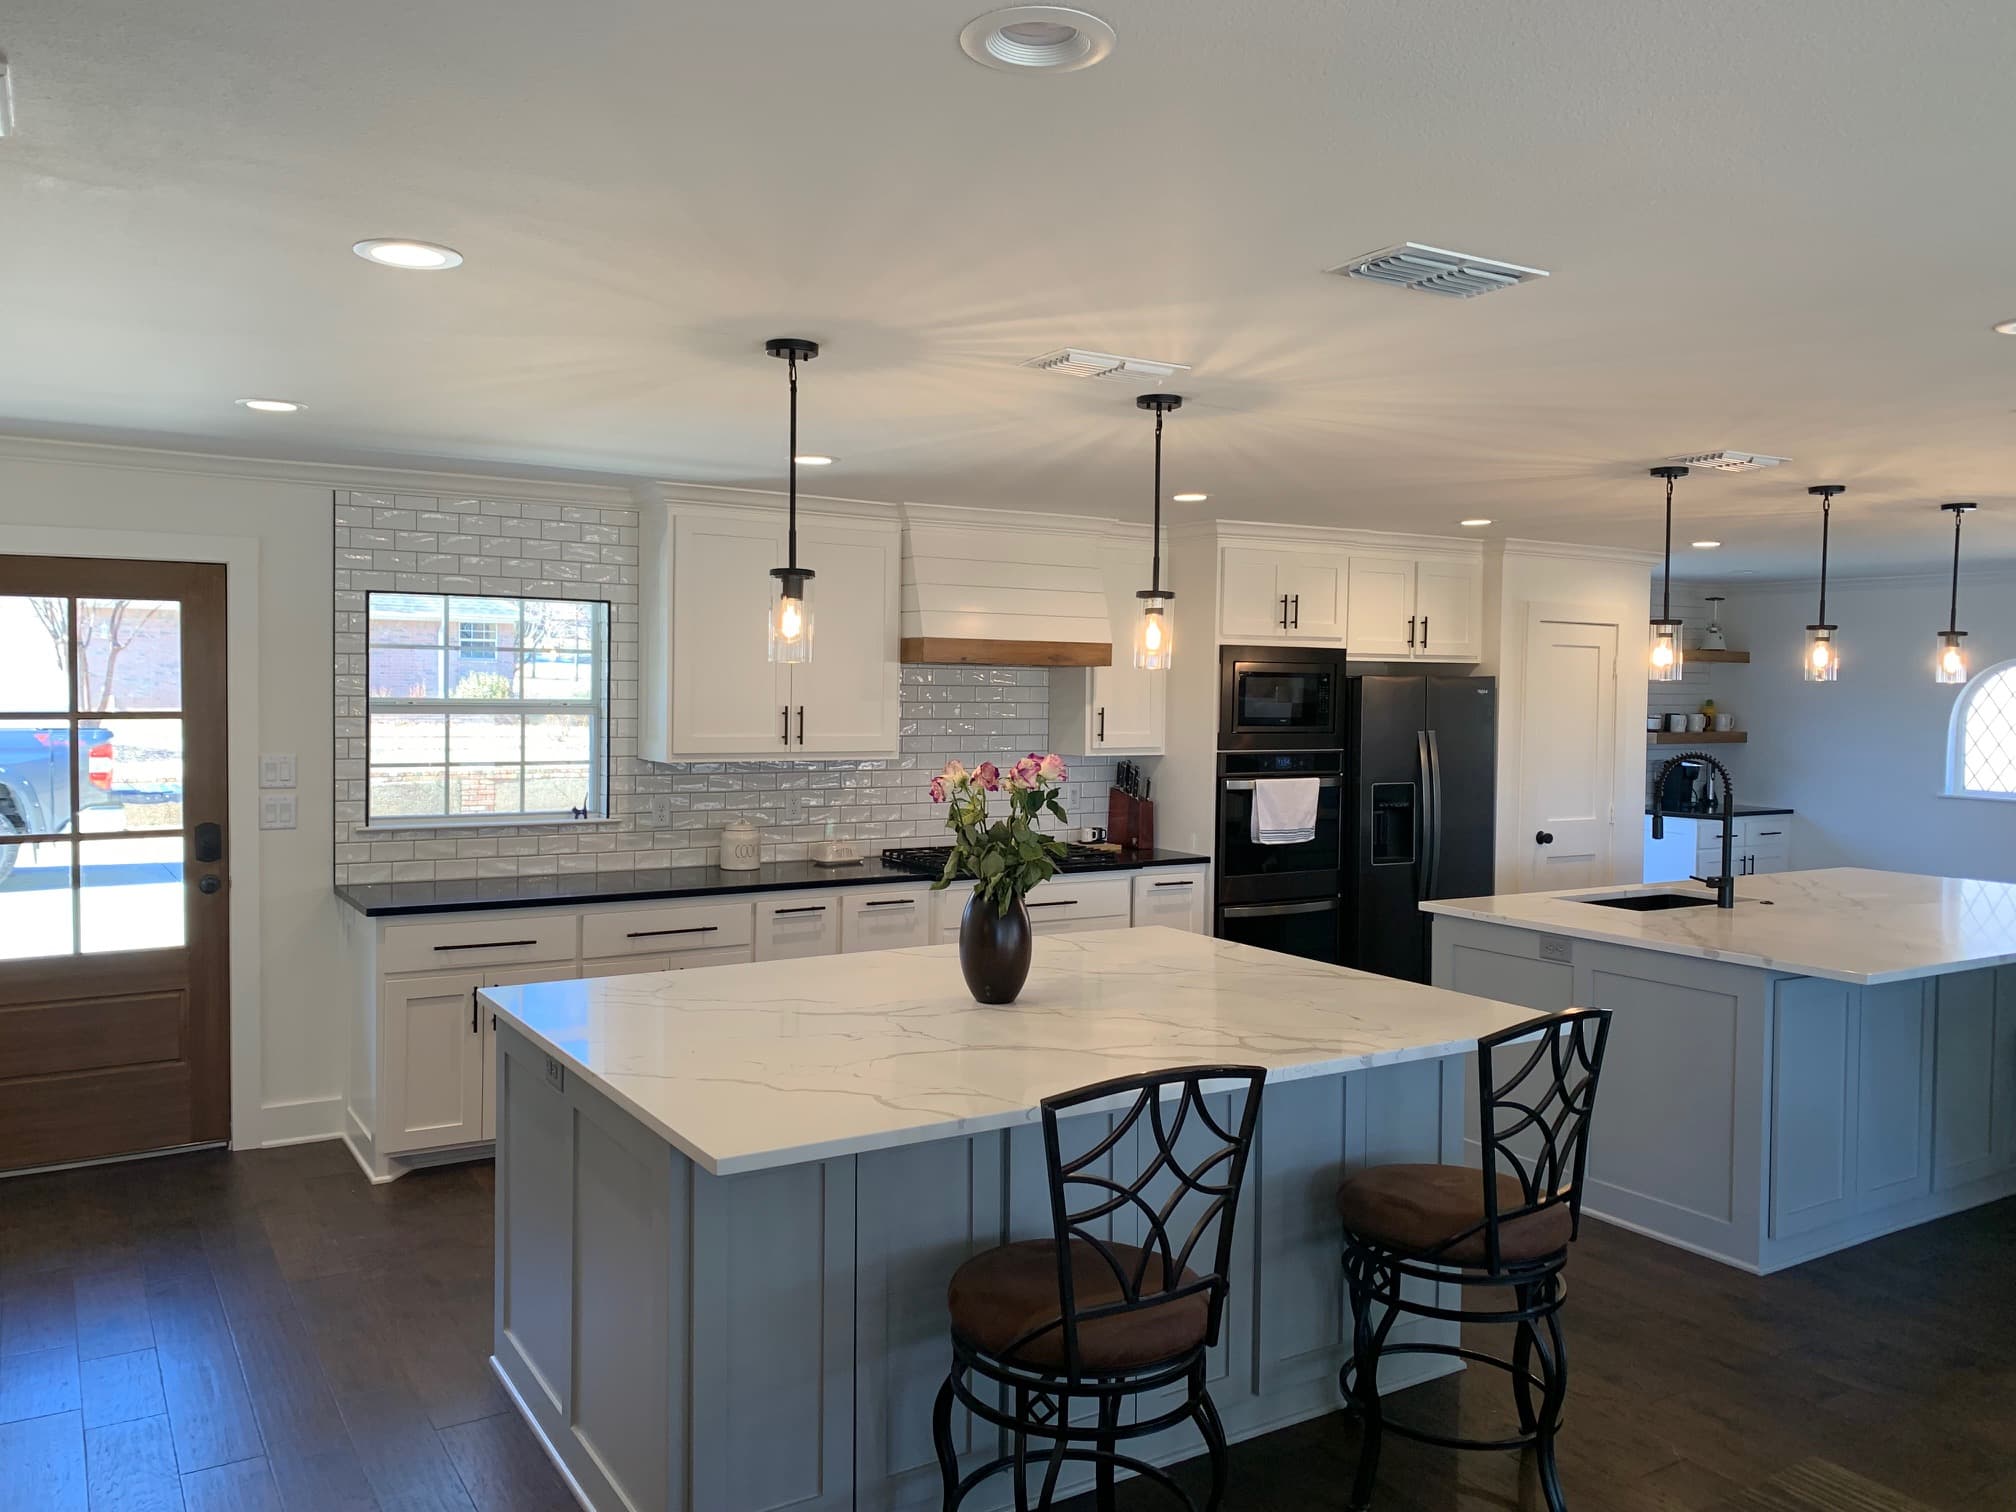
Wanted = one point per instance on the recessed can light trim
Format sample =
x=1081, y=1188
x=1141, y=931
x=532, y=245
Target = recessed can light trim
x=1477, y=524
x=1189, y=498
x=272, y=406
x=1037, y=39
x=407, y=255
x=2005, y=327
x=812, y=459
x=1706, y=545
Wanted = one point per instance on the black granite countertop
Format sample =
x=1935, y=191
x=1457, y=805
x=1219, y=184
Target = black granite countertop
x=1743, y=811
x=380, y=900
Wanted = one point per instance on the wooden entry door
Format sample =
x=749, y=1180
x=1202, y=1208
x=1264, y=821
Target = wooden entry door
x=114, y=875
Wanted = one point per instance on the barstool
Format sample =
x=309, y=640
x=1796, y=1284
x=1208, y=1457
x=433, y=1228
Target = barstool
x=1506, y=1226
x=1046, y=1325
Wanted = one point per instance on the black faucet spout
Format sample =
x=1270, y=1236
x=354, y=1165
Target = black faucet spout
x=1724, y=885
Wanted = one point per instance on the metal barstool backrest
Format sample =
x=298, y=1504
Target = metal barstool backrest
x=1181, y=1203
x=1535, y=1127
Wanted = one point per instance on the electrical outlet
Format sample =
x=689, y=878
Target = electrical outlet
x=1554, y=949
x=556, y=1074
x=276, y=771
x=658, y=810
x=276, y=811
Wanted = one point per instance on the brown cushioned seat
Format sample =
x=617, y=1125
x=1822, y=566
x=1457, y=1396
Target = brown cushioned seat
x=1001, y=1294
x=1411, y=1209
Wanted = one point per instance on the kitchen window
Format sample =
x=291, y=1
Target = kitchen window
x=1981, y=750
x=483, y=709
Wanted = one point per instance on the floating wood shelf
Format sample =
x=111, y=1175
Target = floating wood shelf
x=1717, y=656
x=1697, y=737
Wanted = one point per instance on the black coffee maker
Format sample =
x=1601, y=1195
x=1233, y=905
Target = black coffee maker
x=1690, y=788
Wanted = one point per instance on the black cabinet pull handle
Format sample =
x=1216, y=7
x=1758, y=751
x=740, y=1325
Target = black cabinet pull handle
x=1543, y=838
x=811, y=908
x=1102, y=724
x=1057, y=903
x=801, y=724
x=652, y=934
x=472, y=1012
x=890, y=903
x=1297, y=599
x=1424, y=632
x=786, y=737
x=486, y=945
x=1188, y=882
x=1410, y=632
x=1284, y=611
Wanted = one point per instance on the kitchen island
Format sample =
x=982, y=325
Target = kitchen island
x=1832, y=1059
x=729, y=1199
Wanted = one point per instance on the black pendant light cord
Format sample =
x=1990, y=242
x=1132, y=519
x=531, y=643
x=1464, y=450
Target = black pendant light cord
x=1826, y=519
x=1953, y=610
x=792, y=555
x=1666, y=588
x=1155, y=568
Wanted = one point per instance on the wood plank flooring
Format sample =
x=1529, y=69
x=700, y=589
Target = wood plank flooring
x=270, y=1333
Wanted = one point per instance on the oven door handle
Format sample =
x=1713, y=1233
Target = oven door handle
x=1277, y=910
x=1245, y=784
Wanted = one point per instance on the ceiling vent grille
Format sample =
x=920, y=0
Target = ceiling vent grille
x=1436, y=270
x=1076, y=362
x=1729, y=461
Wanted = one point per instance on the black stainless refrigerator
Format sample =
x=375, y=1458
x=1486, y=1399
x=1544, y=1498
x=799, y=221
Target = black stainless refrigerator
x=1421, y=756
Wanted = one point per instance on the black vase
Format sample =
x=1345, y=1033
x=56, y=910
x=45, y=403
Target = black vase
x=994, y=950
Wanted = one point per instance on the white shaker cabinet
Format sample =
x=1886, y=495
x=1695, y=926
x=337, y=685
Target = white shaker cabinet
x=1449, y=597
x=1173, y=899
x=1284, y=594
x=1416, y=608
x=433, y=1052
x=791, y=925
x=725, y=696
x=884, y=919
x=1381, y=625
x=1117, y=710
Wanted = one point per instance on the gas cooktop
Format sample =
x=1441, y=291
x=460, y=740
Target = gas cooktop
x=1077, y=858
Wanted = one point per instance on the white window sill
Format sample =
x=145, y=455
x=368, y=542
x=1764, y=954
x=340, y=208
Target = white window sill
x=1981, y=797
x=481, y=822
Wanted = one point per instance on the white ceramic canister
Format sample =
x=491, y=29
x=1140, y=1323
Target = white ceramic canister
x=741, y=846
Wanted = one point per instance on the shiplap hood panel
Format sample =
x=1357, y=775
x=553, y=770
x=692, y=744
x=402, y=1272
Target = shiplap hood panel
x=1003, y=588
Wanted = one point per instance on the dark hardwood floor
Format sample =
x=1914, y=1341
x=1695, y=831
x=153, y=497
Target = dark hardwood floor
x=270, y=1333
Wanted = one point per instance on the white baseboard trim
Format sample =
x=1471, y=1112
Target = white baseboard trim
x=298, y=1122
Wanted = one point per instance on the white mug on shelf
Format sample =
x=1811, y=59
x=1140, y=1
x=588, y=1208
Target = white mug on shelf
x=1697, y=722
x=1725, y=722
x=1676, y=722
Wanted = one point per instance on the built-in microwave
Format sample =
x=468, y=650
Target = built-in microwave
x=1272, y=698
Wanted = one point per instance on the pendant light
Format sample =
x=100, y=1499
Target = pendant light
x=789, y=621
x=1668, y=657
x=1154, y=637
x=1950, y=664
x=1823, y=652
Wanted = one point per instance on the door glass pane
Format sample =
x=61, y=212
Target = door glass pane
x=35, y=900
x=35, y=672
x=129, y=654
x=34, y=777
x=484, y=790
x=129, y=775
x=132, y=897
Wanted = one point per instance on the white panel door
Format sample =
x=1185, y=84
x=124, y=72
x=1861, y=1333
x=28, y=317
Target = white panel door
x=432, y=1046
x=1568, y=754
x=1450, y=599
x=1250, y=598
x=1381, y=618
x=1317, y=593
x=1129, y=706
x=844, y=701
x=728, y=698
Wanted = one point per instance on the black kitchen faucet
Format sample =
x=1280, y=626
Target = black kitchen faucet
x=1724, y=885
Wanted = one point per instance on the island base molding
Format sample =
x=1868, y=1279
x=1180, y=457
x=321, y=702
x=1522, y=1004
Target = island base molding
x=695, y=1343
x=1762, y=1119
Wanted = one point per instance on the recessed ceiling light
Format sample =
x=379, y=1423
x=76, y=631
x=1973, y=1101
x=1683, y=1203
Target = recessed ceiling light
x=413, y=256
x=1473, y=524
x=1706, y=545
x=1189, y=498
x=809, y=459
x=2006, y=327
x=1036, y=39
x=272, y=406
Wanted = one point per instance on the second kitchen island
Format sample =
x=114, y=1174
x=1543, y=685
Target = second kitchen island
x=729, y=1200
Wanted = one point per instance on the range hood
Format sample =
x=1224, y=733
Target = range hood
x=1000, y=588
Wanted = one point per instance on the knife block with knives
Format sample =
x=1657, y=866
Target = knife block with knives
x=1130, y=814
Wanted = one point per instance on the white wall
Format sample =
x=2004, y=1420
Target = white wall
x=1609, y=588
x=1863, y=760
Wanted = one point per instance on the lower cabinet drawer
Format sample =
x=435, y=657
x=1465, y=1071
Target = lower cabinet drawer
x=797, y=924
x=639, y=965
x=466, y=941
x=1061, y=900
x=670, y=928
x=877, y=920
x=1172, y=899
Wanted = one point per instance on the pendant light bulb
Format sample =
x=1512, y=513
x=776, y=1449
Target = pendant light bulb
x=1669, y=657
x=1949, y=662
x=788, y=621
x=1154, y=634
x=1823, y=651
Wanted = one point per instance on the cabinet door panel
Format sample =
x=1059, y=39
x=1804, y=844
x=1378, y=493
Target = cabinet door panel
x=1127, y=704
x=1316, y=589
x=1812, y=1106
x=1381, y=619
x=433, y=1048
x=1893, y=1157
x=848, y=689
x=1449, y=596
x=1963, y=1097
x=885, y=921
x=1249, y=594
x=728, y=698
x=487, y=1024
x=793, y=926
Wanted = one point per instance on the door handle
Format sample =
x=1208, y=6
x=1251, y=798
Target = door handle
x=890, y=903
x=811, y=908
x=1245, y=784
x=1410, y=632
x=486, y=945
x=786, y=736
x=652, y=934
x=801, y=724
x=1543, y=838
x=1102, y=726
x=473, y=1029
x=1297, y=601
x=1277, y=910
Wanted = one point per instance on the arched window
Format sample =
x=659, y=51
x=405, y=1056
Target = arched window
x=1981, y=749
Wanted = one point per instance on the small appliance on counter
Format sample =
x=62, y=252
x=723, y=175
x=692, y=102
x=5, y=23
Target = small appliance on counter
x=1689, y=788
x=741, y=846
x=833, y=851
x=1130, y=815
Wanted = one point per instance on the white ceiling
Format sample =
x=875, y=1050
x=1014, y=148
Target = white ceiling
x=1780, y=228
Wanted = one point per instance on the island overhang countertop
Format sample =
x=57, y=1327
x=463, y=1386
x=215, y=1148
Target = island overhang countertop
x=1846, y=924
x=745, y=1068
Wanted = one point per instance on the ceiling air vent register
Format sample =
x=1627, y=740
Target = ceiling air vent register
x=1729, y=461
x=1436, y=270
x=1076, y=362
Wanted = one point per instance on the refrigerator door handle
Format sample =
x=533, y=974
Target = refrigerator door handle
x=1424, y=845
x=1435, y=813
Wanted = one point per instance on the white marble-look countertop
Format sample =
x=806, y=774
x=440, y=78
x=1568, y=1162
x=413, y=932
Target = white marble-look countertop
x=743, y=1068
x=1843, y=923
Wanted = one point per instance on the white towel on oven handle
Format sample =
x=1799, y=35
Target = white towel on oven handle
x=1284, y=810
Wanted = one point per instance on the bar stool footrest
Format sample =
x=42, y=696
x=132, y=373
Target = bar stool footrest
x=1347, y=1378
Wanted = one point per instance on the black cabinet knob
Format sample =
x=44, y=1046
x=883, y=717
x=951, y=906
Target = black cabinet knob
x=1543, y=838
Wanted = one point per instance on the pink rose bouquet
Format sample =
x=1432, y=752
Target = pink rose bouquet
x=1007, y=856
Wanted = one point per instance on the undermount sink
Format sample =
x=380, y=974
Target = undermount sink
x=1651, y=902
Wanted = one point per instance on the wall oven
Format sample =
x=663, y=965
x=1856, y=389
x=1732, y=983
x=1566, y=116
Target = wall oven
x=1279, y=698
x=1284, y=897
x=1306, y=927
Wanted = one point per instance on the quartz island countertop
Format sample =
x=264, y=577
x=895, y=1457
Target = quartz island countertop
x=1846, y=924
x=744, y=1068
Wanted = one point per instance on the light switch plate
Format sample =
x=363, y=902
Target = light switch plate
x=276, y=811
x=276, y=771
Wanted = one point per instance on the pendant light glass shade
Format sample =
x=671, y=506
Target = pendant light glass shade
x=788, y=621
x=1949, y=662
x=1155, y=632
x=1669, y=657
x=1822, y=663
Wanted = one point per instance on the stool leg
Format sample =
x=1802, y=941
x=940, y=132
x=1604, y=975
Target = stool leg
x=1213, y=1429
x=1365, y=1341
x=1522, y=1364
x=1106, y=1444
x=1555, y=1393
x=1021, y=1450
x=941, y=1440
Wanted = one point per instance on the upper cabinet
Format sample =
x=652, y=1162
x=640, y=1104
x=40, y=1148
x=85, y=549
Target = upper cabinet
x=709, y=688
x=1116, y=710
x=1266, y=593
x=1413, y=600
x=1406, y=608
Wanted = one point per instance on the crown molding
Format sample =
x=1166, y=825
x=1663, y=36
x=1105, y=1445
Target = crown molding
x=1575, y=551
x=971, y=517
x=1330, y=537
x=1939, y=577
